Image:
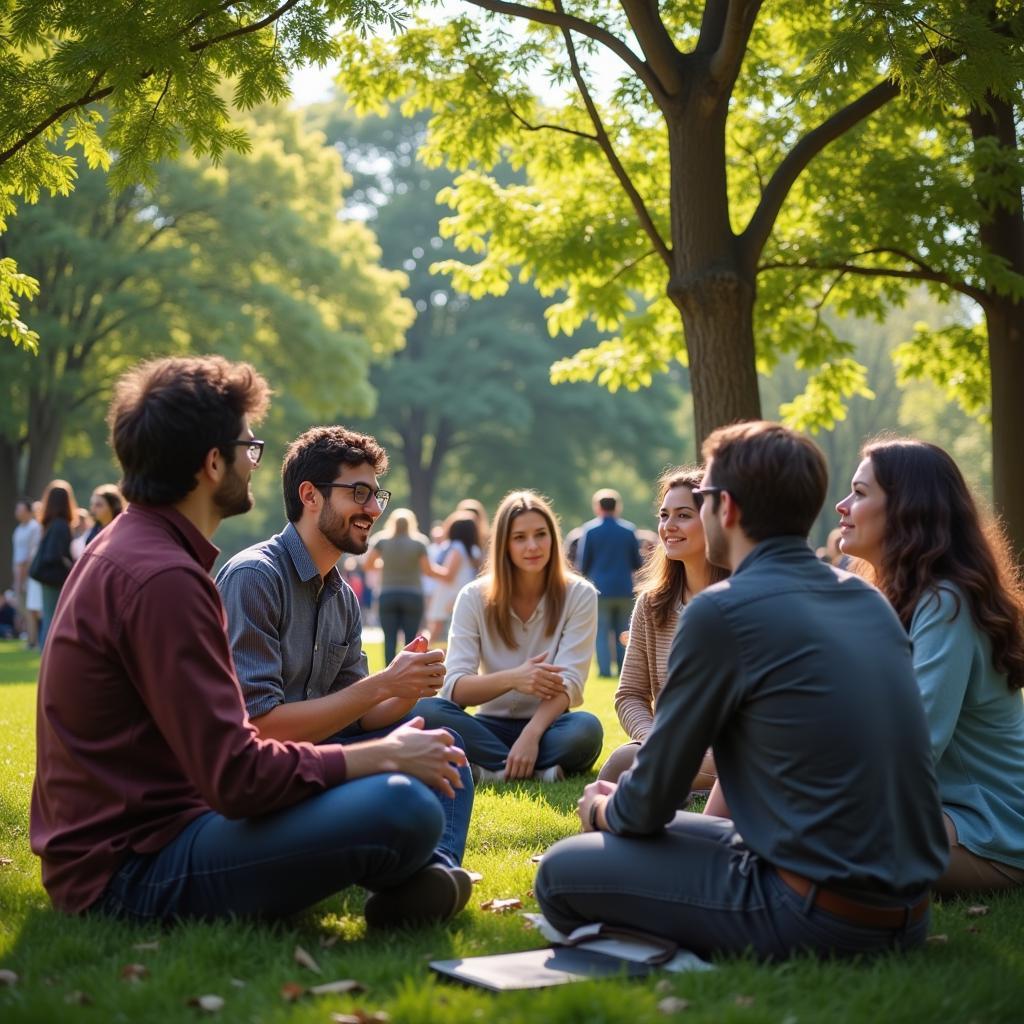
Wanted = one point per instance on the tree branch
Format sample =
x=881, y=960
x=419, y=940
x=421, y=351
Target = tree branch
x=244, y=30
x=663, y=57
x=737, y=24
x=921, y=273
x=753, y=239
x=626, y=268
x=564, y=21
x=646, y=221
x=519, y=117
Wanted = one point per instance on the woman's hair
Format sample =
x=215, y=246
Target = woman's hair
x=498, y=597
x=113, y=497
x=461, y=527
x=401, y=523
x=934, y=533
x=58, y=503
x=661, y=578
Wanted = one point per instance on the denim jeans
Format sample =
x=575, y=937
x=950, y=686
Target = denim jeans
x=374, y=832
x=573, y=740
x=400, y=611
x=700, y=886
x=452, y=846
x=612, y=618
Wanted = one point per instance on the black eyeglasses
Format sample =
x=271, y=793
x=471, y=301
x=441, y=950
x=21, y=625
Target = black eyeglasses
x=362, y=493
x=699, y=493
x=253, y=448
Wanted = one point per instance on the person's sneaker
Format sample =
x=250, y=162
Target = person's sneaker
x=434, y=894
x=481, y=774
x=552, y=774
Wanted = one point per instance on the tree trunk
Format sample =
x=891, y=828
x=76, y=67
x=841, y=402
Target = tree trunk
x=711, y=289
x=1002, y=234
x=1005, y=321
x=45, y=431
x=9, y=494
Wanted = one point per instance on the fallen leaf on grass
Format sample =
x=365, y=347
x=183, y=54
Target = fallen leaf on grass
x=361, y=1017
x=330, y=988
x=134, y=972
x=303, y=959
x=8, y=978
x=500, y=906
x=5, y=862
x=208, y=1004
x=744, y=1001
x=937, y=940
x=237, y=982
x=292, y=991
x=78, y=998
x=147, y=947
x=977, y=911
x=327, y=941
x=475, y=876
x=673, y=1004
x=536, y=858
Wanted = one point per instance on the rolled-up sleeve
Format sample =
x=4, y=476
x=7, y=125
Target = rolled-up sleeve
x=575, y=648
x=252, y=603
x=464, y=639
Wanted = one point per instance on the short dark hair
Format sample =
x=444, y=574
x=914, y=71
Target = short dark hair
x=317, y=455
x=777, y=477
x=168, y=413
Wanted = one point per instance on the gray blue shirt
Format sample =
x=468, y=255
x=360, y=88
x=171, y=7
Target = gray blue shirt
x=800, y=678
x=977, y=727
x=292, y=635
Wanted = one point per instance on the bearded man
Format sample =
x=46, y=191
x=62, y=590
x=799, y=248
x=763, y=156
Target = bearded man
x=295, y=625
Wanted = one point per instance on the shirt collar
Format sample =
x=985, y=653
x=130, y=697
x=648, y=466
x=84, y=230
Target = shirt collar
x=303, y=561
x=201, y=549
x=786, y=546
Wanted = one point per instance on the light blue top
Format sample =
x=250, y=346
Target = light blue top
x=976, y=724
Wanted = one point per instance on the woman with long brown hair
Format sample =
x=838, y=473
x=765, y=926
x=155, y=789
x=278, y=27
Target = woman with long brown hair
x=520, y=646
x=53, y=560
x=948, y=574
x=676, y=571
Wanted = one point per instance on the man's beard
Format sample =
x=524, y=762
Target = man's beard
x=337, y=530
x=233, y=497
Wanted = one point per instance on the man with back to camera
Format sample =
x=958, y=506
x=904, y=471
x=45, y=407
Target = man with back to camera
x=799, y=676
x=295, y=624
x=154, y=796
x=608, y=553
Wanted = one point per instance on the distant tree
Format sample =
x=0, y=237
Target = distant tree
x=249, y=259
x=468, y=397
x=157, y=67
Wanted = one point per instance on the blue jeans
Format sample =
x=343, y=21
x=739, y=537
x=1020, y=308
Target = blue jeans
x=400, y=611
x=374, y=832
x=452, y=846
x=612, y=617
x=697, y=884
x=573, y=740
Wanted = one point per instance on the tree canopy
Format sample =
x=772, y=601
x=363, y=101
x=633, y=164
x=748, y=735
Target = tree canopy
x=158, y=68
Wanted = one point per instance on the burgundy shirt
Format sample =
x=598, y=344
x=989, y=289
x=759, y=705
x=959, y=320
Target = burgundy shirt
x=140, y=723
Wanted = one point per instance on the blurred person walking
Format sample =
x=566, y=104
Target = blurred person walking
x=53, y=559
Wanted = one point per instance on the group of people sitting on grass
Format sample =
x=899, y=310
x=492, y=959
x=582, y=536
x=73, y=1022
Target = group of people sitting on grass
x=220, y=748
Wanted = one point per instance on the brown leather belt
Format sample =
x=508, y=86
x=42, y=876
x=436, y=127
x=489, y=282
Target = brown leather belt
x=867, y=914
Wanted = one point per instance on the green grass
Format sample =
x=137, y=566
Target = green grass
x=976, y=975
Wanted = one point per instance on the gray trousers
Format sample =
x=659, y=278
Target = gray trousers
x=698, y=885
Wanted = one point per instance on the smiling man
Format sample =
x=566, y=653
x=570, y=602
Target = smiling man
x=295, y=624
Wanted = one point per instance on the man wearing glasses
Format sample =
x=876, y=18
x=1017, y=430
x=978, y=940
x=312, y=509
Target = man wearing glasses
x=155, y=798
x=296, y=629
x=799, y=677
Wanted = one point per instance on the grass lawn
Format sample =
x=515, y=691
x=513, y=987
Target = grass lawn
x=71, y=969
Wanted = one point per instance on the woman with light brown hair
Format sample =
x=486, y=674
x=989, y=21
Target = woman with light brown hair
x=951, y=580
x=520, y=647
x=53, y=561
x=674, y=573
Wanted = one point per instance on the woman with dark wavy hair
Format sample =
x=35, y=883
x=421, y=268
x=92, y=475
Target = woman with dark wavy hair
x=675, y=572
x=952, y=582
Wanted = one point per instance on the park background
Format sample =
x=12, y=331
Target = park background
x=489, y=244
